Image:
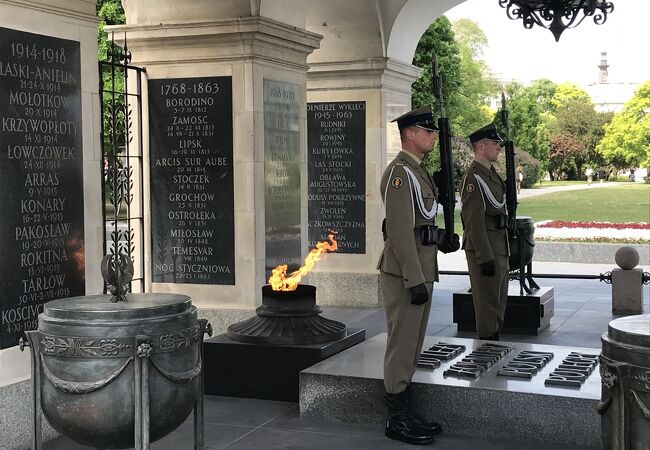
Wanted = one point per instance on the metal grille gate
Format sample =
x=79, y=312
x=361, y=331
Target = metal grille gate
x=120, y=91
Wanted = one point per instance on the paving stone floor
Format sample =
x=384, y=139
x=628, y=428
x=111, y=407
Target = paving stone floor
x=582, y=312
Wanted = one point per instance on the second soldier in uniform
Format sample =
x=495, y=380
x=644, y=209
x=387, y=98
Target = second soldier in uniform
x=485, y=238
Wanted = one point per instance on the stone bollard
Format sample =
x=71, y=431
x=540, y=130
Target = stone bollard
x=627, y=283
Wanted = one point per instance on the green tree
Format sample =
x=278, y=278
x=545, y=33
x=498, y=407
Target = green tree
x=531, y=110
x=438, y=39
x=566, y=93
x=565, y=151
x=110, y=12
x=575, y=116
x=477, y=85
x=626, y=143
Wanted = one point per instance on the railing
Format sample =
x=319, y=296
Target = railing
x=122, y=158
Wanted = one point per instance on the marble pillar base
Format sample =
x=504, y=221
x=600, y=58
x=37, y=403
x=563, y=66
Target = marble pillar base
x=16, y=417
x=347, y=289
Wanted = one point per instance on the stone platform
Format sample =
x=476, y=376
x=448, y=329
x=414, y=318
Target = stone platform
x=270, y=372
x=525, y=314
x=349, y=388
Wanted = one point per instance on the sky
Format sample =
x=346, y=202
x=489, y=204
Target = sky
x=515, y=53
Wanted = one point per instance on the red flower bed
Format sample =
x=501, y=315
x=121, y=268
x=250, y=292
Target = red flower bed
x=569, y=224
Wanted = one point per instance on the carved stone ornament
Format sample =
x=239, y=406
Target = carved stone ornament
x=608, y=378
x=116, y=347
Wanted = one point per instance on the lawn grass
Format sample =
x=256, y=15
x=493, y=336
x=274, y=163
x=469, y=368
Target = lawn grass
x=548, y=184
x=629, y=202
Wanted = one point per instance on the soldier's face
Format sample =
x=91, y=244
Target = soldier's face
x=492, y=149
x=424, y=139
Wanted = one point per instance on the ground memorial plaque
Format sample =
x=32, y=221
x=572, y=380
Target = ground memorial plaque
x=282, y=174
x=192, y=204
x=336, y=142
x=41, y=177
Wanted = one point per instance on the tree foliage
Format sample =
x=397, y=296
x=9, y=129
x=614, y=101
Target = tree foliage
x=530, y=110
x=110, y=12
x=566, y=93
x=114, y=109
x=477, y=85
x=576, y=117
x=626, y=143
x=564, y=152
x=438, y=39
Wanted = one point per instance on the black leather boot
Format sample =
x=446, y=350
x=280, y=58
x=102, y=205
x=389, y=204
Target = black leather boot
x=432, y=428
x=494, y=337
x=399, y=424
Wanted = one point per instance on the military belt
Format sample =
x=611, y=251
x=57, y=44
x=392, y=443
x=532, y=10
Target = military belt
x=499, y=221
x=429, y=235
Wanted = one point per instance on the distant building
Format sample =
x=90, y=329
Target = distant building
x=608, y=96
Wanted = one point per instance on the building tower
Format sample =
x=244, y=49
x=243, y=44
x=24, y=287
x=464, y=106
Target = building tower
x=602, y=74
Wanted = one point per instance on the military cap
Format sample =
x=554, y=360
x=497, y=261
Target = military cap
x=420, y=117
x=489, y=131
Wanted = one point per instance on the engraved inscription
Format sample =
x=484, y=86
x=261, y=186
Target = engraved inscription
x=192, y=204
x=336, y=152
x=41, y=177
x=283, y=242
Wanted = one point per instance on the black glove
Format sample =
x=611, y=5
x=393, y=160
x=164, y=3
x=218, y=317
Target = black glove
x=489, y=268
x=446, y=246
x=419, y=294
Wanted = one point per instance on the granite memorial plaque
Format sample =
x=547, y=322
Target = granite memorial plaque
x=282, y=174
x=41, y=178
x=192, y=197
x=336, y=143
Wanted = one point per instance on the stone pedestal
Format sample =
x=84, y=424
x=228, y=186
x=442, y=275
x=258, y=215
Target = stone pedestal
x=627, y=291
x=625, y=374
x=525, y=314
x=349, y=388
x=239, y=369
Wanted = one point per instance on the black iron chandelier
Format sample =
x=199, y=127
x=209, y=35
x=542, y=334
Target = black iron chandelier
x=557, y=15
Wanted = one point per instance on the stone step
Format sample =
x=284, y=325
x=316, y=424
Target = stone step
x=349, y=388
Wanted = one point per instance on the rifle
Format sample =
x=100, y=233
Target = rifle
x=520, y=237
x=511, y=185
x=444, y=178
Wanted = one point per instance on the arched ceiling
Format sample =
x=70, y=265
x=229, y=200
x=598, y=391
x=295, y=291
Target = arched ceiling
x=410, y=23
x=352, y=30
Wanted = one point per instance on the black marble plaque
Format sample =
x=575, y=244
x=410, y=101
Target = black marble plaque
x=41, y=178
x=282, y=174
x=192, y=204
x=336, y=142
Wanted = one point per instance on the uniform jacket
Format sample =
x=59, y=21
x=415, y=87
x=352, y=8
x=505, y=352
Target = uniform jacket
x=403, y=254
x=481, y=234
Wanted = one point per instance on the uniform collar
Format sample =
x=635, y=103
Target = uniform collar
x=417, y=160
x=486, y=164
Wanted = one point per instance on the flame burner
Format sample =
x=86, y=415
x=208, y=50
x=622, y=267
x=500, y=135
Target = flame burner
x=287, y=318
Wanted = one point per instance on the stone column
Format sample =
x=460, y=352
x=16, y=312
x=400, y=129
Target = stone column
x=262, y=57
x=384, y=84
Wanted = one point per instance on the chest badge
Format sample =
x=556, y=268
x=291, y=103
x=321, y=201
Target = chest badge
x=397, y=182
x=470, y=188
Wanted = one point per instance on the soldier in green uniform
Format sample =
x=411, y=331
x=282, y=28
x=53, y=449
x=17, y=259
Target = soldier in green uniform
x=408, y=268
x=485, y=240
